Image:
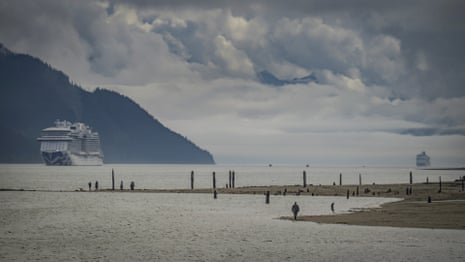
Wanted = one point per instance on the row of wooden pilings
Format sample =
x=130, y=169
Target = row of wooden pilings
x=231, y=184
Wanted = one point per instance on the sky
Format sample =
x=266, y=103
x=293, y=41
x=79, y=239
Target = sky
x=389, y=74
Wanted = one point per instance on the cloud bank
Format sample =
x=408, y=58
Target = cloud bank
x=389, y=74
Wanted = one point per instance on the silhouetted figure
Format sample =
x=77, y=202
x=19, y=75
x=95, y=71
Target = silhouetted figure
x=295, y=210
x=132, y=185
x=90, y=185
x=121, y=185
x=96, y=185
x=332, y=207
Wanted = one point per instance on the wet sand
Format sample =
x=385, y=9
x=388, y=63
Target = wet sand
x=446, y=211
x=439, y=215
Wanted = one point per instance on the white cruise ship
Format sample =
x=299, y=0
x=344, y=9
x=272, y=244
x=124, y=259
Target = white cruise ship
x=423, y=160
x=67, y=144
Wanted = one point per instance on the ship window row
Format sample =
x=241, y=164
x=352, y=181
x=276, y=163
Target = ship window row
x=53, y=146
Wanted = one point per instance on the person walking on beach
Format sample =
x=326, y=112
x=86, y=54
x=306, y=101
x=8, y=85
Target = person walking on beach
x=295, y=210
x=96, y=185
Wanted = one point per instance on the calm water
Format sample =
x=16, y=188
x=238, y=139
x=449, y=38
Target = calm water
x=63, y=226
x=178, y=176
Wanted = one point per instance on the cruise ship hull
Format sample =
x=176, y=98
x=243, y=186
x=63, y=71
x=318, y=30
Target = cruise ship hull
x=64, y=158
x=67, y=144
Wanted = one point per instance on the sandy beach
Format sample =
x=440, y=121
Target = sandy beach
x=446, y=210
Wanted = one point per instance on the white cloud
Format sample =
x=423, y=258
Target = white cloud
x=233, y=60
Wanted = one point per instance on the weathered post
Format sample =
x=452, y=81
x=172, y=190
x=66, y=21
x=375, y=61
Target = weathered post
x=427, y=180
x=359, y=179
x=230, y=179
x=357, y=190
x=214, y=181
x=214, y=194
x=305, y=178
x=267, y=197
x=440, y=185
x=348, y=193
x=462, y=183
x=112, y=179
x=411, y=180
x=121, y=185
x=192, y=180
x=340, y=179
x=233, y=179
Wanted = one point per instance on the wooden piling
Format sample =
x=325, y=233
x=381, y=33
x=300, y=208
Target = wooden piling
x=359, y=180
x=192, y=180
x=305, y=178
x=267, y=198
x=357, y=190
x=440, y=185
x=214, y=194
x=230, y=179
x=340, y=179
x=112, y=180
x=348, y=193
x=214, y=181
x=411, y=179
x=233, y=179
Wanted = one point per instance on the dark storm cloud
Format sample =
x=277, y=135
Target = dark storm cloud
x=431, y=35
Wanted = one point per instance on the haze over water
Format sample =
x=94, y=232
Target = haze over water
x=39, y=176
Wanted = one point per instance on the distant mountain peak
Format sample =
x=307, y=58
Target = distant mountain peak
x=268, y=78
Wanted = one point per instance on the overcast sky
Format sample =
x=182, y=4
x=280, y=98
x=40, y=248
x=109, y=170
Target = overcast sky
x=390, y=74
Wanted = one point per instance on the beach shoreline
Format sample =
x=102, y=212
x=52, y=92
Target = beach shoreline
x=445, y=211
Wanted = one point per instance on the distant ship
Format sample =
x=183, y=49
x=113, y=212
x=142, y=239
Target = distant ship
x=423, y=160
x=67, y=144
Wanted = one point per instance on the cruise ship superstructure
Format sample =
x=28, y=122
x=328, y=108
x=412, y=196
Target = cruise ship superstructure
x=67, y=144
x=423, y=160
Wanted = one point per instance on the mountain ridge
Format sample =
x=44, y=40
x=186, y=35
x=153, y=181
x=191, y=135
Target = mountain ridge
x=34, y=95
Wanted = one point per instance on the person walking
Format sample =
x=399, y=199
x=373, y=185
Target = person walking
x=295, y=210
x=96, y=185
